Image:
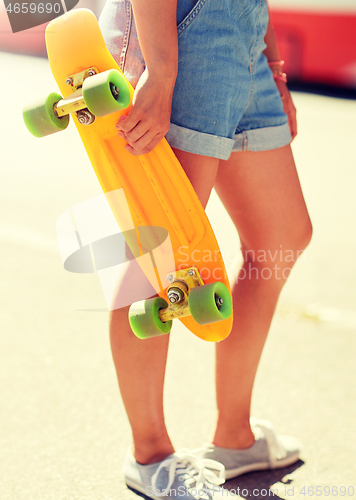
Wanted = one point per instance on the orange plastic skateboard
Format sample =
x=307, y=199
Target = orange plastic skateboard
x=190, y=272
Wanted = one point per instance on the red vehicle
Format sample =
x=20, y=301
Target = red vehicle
x=317, y=40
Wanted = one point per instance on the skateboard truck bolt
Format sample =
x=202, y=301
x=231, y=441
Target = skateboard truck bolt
x=175, y=295
x=115, y=90
x=169, y=277
x=85, y=117
x=91, y=72
x=219, y=301
x=192, y=272
x=69, y=81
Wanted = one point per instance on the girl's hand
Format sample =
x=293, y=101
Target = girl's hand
x=288, y=107
x=149, y=118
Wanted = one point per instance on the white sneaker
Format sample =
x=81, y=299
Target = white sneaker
x=183, y=475
x=269, y=451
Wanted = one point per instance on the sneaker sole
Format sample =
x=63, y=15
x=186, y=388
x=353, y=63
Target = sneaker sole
x=229, y=474
x=140, y=489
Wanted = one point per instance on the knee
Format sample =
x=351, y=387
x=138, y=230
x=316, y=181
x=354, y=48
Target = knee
x=281, y=249
x=308, y=233
x=302, y=238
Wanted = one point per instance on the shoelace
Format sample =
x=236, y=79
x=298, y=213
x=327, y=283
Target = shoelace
x=195, y=469
x=276, y=450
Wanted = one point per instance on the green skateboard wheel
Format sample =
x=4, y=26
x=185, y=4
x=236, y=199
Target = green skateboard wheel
x=210, y=303
x=40, y=118
x=144, y=319
x=106, y=92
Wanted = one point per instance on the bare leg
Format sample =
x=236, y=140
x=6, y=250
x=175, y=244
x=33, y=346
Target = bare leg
x=140, y=364
x=140, y=367
x=262, y=194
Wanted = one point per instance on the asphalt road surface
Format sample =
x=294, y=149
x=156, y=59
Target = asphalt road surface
x=64, y=431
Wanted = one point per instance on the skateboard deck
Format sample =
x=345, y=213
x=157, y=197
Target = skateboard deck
x=157, y=190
